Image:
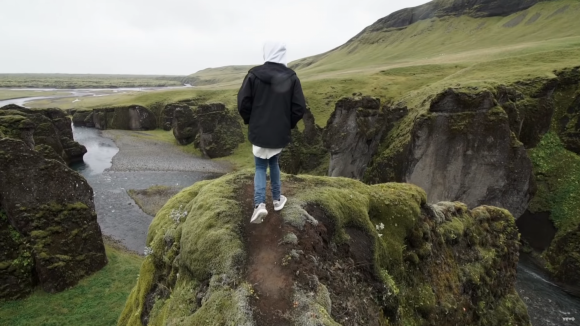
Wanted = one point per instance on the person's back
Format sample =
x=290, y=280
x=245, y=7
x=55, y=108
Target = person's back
x=271, y=102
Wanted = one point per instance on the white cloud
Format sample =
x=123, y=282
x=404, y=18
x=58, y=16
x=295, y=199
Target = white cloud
x=171, y=36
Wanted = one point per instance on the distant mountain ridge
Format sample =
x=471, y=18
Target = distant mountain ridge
x=442, y=8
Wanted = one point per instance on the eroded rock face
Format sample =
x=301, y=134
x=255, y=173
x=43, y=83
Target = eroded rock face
x=220, y=131
x=79, y=118
x=344, y=253
x=569, y=116
x=48, y=224
x=461, y=148
x=133, y=117
x=564, y=256
x=352, y=135
x=184, y=125
x=50, y=127
x=306, y=151
x=168, y=112
x=464, y=150
x=211, y=127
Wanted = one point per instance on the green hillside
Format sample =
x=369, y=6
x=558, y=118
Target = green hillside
x=220, y=75
x=393, y=63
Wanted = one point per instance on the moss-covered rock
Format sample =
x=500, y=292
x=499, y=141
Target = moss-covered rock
x=80, y=118
x=48, y=211
x=457, y=145
x=184, y=124
x=352, y=135
x=167, y=114
x=372, y=255
x=306, y=153
x=49, y=127
x=212, y=128
x=220, y=131
x=133, y=117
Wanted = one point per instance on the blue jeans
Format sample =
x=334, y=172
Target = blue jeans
x=260, y=179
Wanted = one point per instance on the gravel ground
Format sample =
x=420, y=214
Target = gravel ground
x=137, y=153
x=139, y=164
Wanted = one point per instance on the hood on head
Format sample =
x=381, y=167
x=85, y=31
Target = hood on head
x=275, y=52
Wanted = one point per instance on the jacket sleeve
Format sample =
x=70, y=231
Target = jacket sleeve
x=298, y=104
x=245, y=99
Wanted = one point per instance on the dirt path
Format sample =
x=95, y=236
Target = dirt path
x=271, y=282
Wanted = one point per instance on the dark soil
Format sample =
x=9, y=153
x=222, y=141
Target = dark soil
x=346, y=269
x=271, y=282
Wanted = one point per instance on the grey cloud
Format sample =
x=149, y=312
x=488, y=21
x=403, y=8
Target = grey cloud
x=171, y=37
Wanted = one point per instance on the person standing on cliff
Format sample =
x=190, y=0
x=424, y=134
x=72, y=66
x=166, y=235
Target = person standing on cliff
x=271, y=102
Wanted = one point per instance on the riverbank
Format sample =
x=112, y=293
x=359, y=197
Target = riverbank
x=118, y=161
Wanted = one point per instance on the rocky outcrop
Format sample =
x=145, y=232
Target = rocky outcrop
x=352, y=135
x=211, y=127
x=564, y=257
x=442, y=8
x=79, y=118
x=306, y=152
x=220, y=131
x=168, y=112
x=134, y=117
x=48, y=226
x=184, y=125
x=50, y=127
x=568, y=115
x=340, y=253
x=460, y=148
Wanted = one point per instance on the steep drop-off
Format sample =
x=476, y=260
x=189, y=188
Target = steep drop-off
x=49, y=234
x=340, y=253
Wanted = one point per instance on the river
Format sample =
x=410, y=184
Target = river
x=121, y=219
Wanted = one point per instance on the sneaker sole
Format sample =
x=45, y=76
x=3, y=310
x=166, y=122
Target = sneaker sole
x=260, y=218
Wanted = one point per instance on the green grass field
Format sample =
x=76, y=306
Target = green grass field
x=89, y=81
x=96, y=301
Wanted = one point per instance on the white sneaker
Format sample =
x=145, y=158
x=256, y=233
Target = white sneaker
x=259, y=213
x=279, y=204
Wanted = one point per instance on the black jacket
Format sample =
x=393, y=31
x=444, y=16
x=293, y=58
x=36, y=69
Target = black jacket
x=271, y=102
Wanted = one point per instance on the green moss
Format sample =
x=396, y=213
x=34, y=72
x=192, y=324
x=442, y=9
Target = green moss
x=558, y=176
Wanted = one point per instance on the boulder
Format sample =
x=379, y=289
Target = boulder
x=211, y=127
x=340, y=253
x=184, y=125
x=168, y=112
x=220, y=131
x=48, y=225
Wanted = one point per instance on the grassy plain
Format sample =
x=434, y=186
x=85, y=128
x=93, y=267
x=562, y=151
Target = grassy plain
x=96, y=301
x=88, y=81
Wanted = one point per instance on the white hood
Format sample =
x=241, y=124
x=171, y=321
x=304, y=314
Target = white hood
x=275, y=52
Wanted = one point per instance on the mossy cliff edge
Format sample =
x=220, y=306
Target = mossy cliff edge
x=49, y=235
x=346, y=253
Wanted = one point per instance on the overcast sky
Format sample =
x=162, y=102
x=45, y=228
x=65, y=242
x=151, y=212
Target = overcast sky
x=170, y=36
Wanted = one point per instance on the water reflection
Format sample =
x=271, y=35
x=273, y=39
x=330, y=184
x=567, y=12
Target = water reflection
x=100, y=151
